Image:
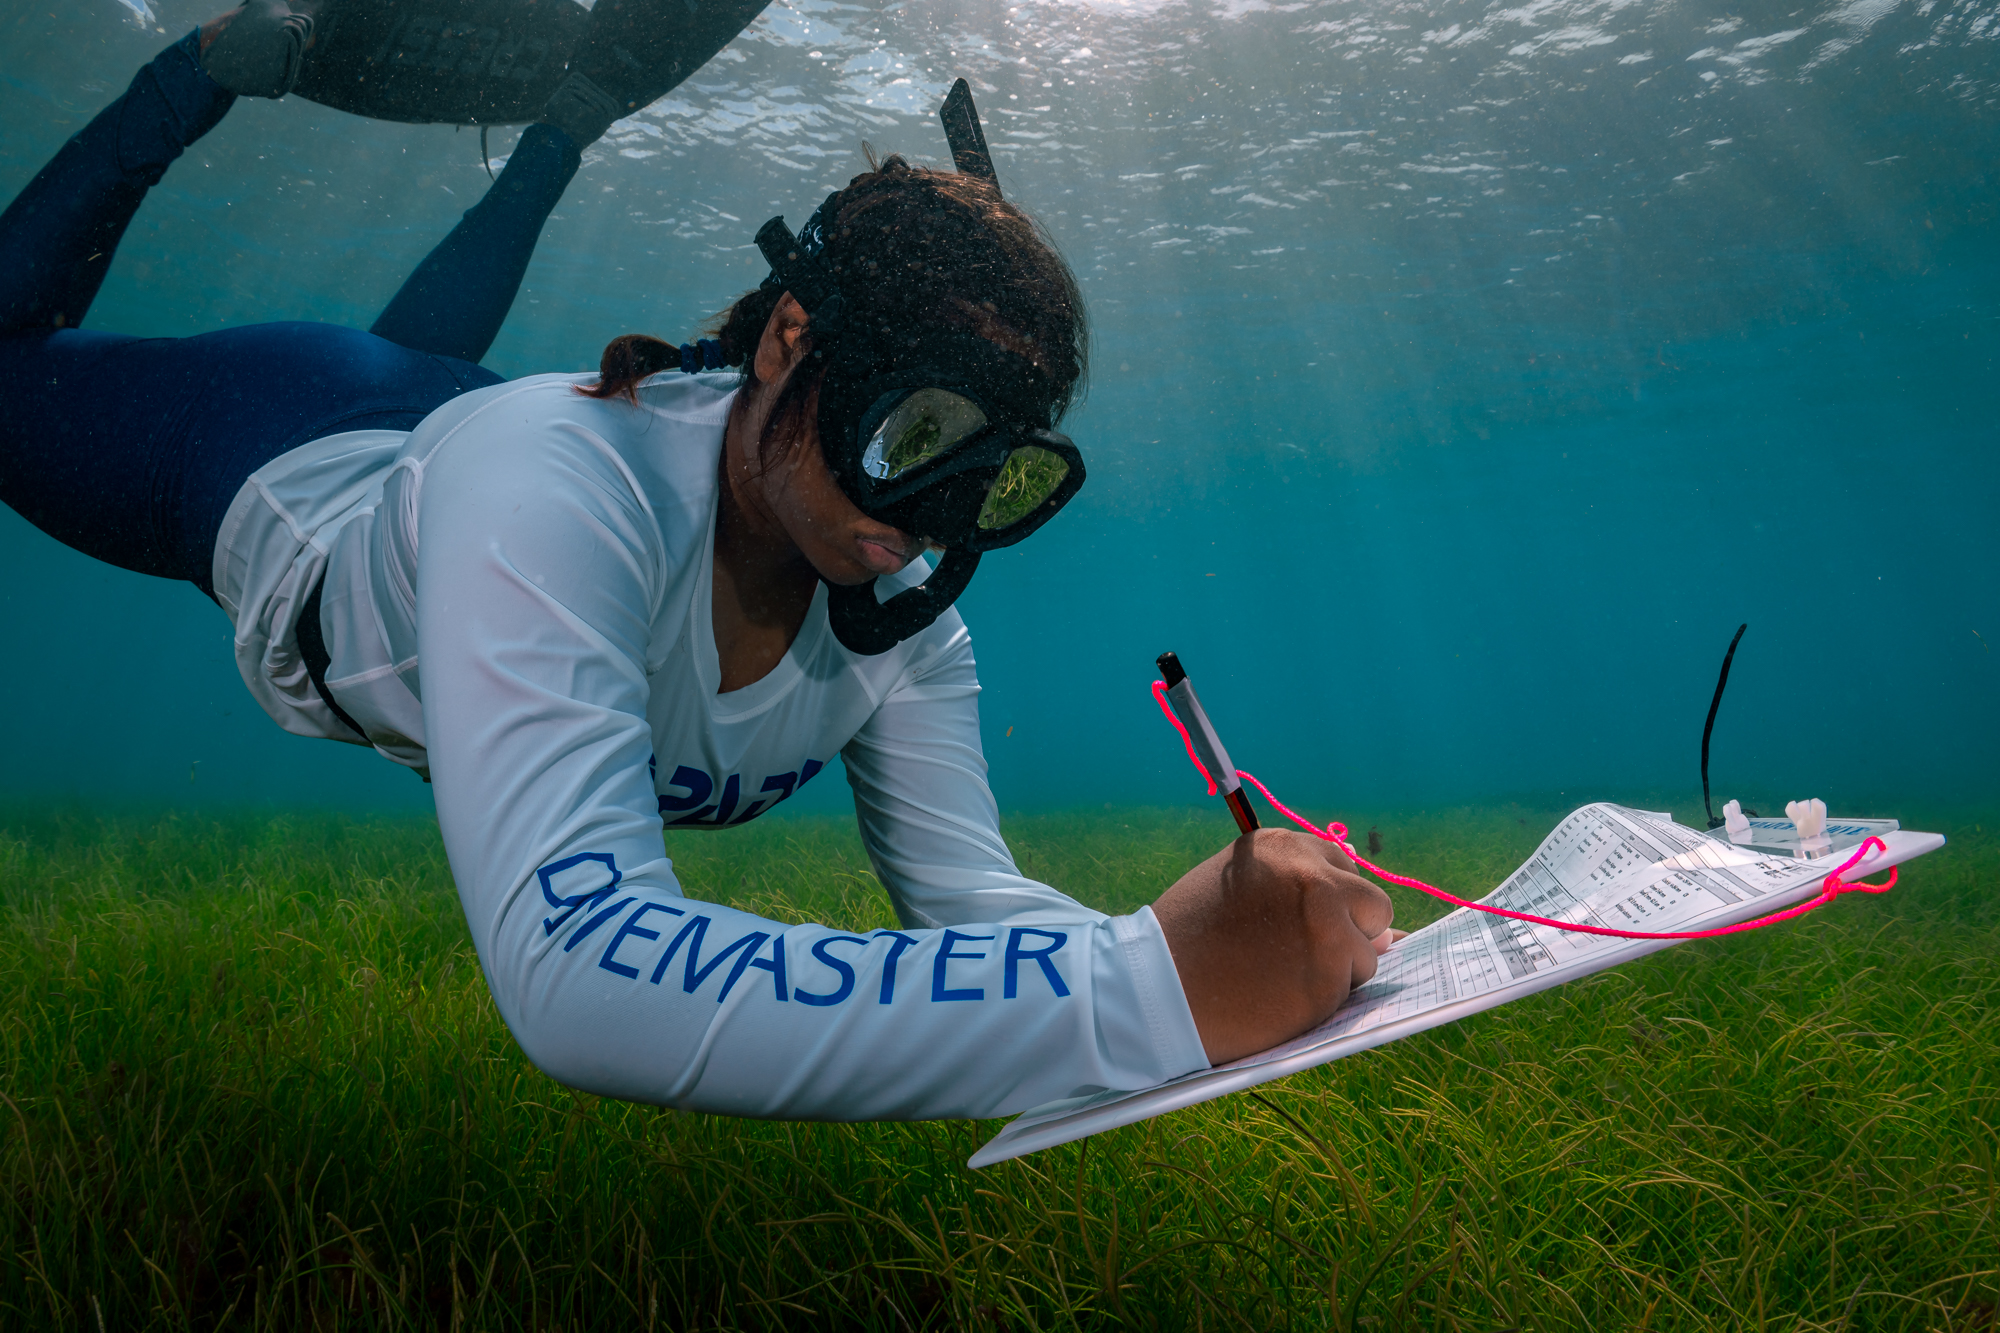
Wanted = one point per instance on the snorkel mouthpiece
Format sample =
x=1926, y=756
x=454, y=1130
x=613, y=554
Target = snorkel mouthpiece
x=946, y=436
x=868, y=627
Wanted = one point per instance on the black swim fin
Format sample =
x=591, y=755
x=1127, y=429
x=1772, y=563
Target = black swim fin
x=464, y=62
x=497, y=62
x=639, y=50
x=635, y=52
x=260, y=49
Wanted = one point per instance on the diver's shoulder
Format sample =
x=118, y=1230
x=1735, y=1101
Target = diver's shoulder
x=539, y=407
x=698, y=400
x=525, y=402
x=702, y=399
x=686, y=404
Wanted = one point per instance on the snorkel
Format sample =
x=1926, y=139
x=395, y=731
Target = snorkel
x=943, y=433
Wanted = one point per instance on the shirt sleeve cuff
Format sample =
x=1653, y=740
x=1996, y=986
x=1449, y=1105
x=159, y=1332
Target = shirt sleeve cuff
x=1159, y=1003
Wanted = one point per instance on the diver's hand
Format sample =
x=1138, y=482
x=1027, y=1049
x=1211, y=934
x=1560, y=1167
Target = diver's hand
x=1268, y=936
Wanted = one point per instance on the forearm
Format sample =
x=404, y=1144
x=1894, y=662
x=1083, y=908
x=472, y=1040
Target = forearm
x=652, y=997
x=927, y=816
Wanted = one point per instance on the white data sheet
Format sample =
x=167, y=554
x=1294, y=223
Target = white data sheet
x=1604, y=865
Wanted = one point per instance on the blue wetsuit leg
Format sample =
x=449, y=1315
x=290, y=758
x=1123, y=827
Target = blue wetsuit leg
x=57, y=238
x=455, y=302
x=131, y=449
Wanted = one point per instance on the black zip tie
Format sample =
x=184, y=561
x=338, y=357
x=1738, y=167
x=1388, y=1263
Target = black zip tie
x=1714, y=704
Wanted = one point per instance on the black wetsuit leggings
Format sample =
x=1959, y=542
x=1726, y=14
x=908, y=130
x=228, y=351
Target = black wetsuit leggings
x=131, y=449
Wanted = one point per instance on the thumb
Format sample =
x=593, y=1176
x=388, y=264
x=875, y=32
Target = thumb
x=1370, y=908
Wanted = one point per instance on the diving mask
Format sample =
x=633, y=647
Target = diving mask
x=944, y=468
x=958, y=453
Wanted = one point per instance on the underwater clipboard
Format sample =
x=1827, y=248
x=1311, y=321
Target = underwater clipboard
x=1603, y=865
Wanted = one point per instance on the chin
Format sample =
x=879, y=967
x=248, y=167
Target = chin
x=853, y=580
x=844, y=571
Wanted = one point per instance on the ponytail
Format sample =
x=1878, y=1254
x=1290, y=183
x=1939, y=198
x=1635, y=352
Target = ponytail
x=632, y=357
x=627, y=360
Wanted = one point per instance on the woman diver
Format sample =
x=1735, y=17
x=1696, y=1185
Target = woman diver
x=584, y=604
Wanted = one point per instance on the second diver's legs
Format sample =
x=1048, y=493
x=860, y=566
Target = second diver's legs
x=455, y=301
x=634, y=52
x=131, y=449
x=58, y=236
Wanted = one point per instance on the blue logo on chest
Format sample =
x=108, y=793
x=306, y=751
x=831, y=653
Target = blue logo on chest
x=693, y=805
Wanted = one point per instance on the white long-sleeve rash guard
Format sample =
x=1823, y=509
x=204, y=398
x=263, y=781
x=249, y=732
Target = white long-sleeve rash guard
x=546, y=558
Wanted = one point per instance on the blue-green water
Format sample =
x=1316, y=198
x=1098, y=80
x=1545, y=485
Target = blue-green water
x=1464, y=375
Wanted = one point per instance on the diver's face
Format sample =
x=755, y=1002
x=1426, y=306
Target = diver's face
x=795, y=491
x=843, y=544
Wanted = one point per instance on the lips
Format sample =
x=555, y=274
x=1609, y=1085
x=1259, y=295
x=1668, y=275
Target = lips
x=884, y=556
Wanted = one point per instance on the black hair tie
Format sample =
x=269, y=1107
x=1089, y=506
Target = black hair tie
x=701, y=354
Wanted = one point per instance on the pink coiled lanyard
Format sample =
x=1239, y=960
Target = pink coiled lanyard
x=1336, y=833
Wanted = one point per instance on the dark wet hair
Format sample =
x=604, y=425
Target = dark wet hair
x=910, y=247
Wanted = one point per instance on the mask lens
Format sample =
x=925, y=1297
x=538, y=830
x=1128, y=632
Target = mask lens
x=1029, y=477
x=925, y=425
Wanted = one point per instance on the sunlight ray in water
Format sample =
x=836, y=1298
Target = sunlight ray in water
x=1379, y=290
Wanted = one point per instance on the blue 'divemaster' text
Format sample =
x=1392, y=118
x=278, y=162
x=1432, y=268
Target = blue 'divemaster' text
x=628, y=950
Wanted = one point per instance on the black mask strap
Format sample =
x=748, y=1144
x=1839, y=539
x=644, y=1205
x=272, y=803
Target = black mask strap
x=799, y=272
x=868, y=627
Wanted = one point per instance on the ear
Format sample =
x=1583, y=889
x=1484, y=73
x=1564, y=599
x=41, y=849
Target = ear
x=779, y=351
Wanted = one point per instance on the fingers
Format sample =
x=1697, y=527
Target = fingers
x=1369, y=911
x=1336, y=855
x=1368, y=905
x=1360, y=914
x=1366, y=960
x=1362, y=901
